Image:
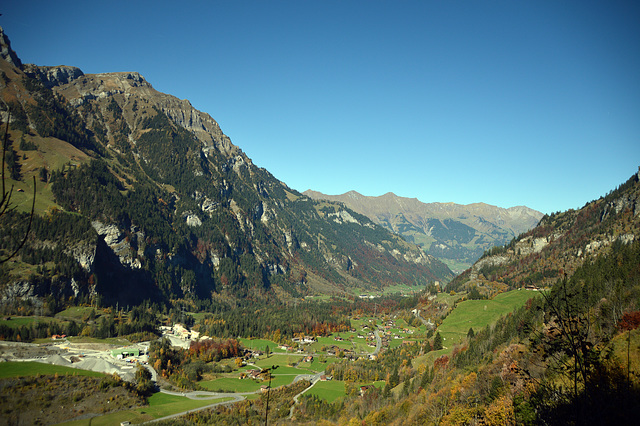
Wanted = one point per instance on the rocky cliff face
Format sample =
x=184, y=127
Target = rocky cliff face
x=456, y=234
x=53, y=76
x=6, y=52
x=132, y=86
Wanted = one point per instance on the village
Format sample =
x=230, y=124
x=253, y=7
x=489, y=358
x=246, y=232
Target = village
x=262, y=361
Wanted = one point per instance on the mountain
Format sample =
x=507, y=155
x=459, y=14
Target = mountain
x=142, y=197
x=560, y=244
x=456, y=234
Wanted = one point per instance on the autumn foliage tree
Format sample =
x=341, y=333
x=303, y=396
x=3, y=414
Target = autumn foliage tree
x=215, y=349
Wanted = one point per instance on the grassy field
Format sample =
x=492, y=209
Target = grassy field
x=160, y=405
x=281, y=360
x=393, y=289
x=428, y=358
x=351, y=341
x=401, y=326
x=283, y=375
x=316, y=365
x=20, y=369
x=78, y=313
x=477, y=314
x=358, y=323
x=394, y=343
x=20, y=321
x=231, y=384
x=53, y=154
x=261, y=344
x=285, y=369
x=234, y=384
x=329, y=391
x=16, y=321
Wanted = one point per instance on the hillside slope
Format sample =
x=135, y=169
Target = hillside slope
x=454, y=233
x=153, y=201
x=561, y=243
x=568, y=355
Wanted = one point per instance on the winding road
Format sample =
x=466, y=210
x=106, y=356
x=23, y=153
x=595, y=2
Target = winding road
x=237, y=397
x=378, y=342
x=428, y=322
x=314, y=378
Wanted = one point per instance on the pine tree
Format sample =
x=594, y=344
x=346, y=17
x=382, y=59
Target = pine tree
x=437, y=342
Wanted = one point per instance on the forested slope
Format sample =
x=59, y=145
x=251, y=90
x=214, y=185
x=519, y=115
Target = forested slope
x=559, y=244
x=568, y=356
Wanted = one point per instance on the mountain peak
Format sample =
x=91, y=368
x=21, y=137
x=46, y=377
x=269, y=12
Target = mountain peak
x=353, y=194
x=6, y=52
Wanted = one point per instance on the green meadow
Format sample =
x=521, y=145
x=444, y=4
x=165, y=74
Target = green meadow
x=234, y=384
x=317, y=365
x=449, y=298
x=21, y=369
x=351, y=341
x=231, y=384
x=281, y=360
x=18, y=321
x=329, y=391
x=160, y=405
x=78, y=313
x=478, y=314
x=28, y=320
x=394, y=343
x=261, y=344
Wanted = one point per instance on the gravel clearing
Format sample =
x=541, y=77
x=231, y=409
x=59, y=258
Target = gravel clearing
x=93, y=364
x=56, y=360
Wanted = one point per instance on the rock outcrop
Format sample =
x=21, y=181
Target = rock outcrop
x=6, y=52
x=53, y=76
x=116, y=241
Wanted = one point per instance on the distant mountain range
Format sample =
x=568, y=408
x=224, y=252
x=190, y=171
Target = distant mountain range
x=454, y=233
x=142, y=197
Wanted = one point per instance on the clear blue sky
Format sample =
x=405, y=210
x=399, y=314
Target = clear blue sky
x=532, y=103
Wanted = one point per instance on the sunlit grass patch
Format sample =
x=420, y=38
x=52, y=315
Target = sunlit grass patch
x=21, y=369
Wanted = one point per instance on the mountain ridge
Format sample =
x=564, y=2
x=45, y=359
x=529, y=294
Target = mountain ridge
x=421, y=222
